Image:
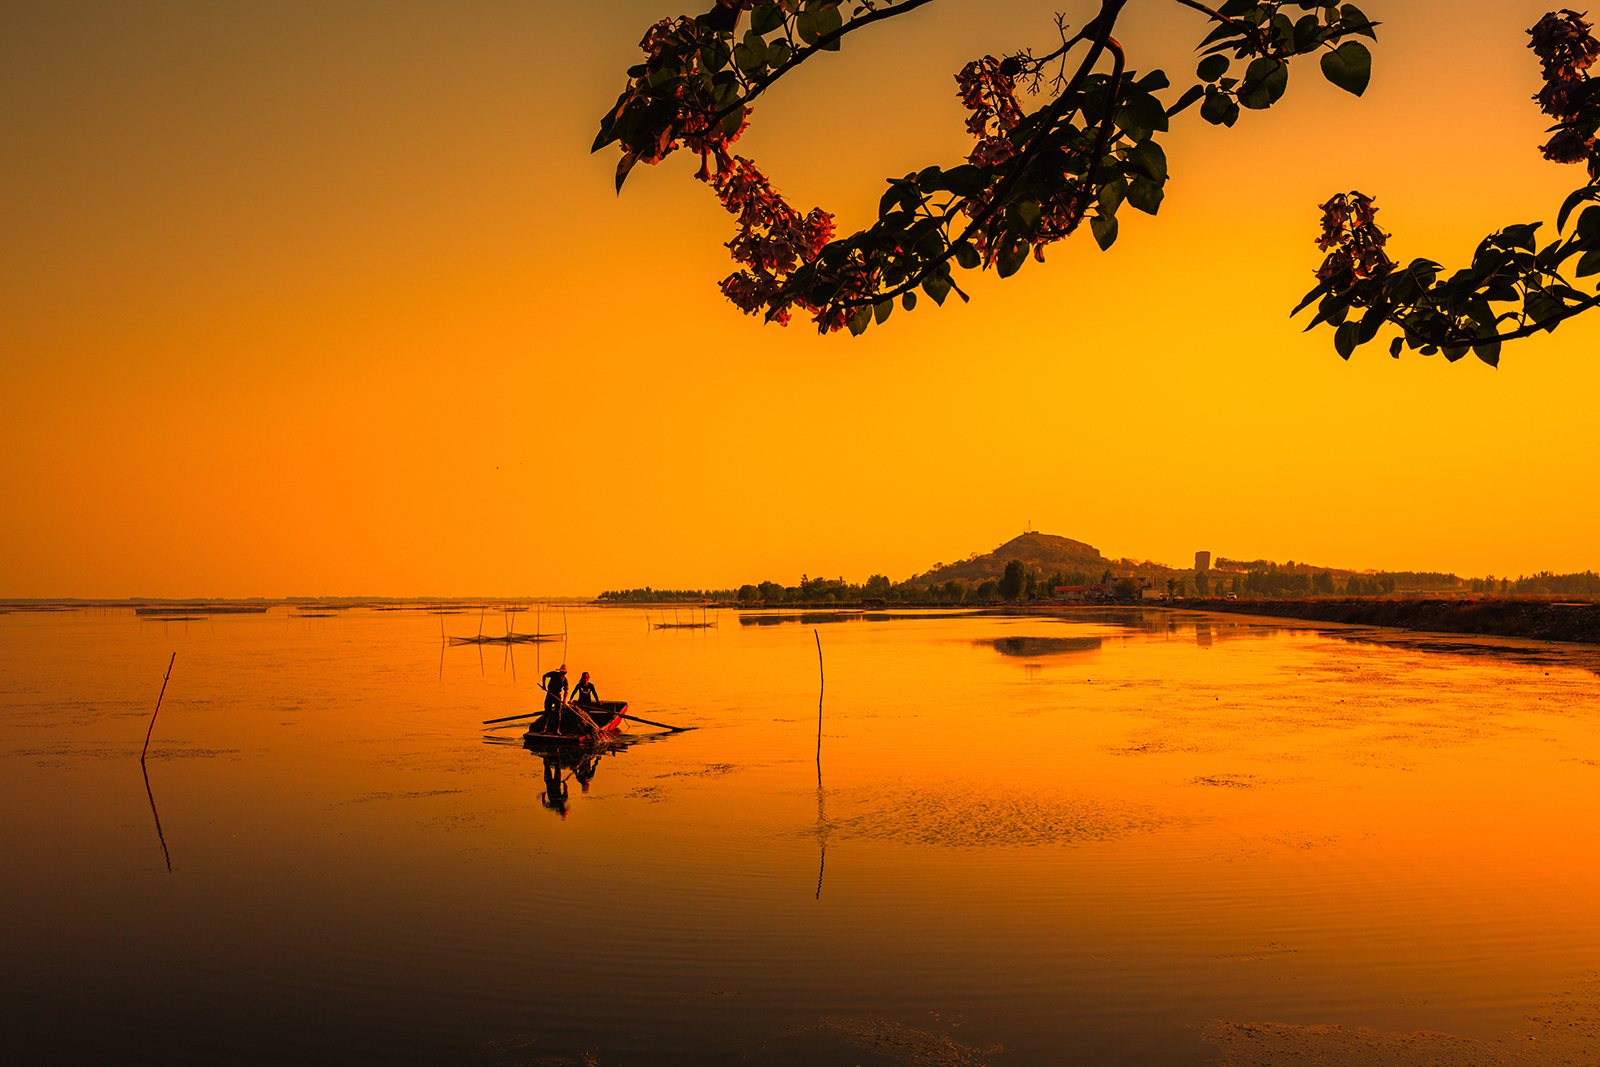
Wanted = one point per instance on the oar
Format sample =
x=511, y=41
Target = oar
x=508, y=718
x=620, y=715
x=647, y=722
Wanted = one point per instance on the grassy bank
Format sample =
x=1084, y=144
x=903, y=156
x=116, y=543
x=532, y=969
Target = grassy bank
x=1539, y=619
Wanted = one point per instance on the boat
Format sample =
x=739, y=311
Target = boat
x=569, y=729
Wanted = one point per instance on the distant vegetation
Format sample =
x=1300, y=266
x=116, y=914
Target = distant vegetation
x=1032, y=566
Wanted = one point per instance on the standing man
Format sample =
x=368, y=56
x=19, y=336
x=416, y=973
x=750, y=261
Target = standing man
x=583, y=692
x=555, y=688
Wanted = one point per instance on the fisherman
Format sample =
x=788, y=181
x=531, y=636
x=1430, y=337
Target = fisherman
x=554, y=684
x=583, y=692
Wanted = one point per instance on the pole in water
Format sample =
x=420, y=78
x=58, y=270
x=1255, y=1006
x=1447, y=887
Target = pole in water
x=153, y=714
x=822, y=684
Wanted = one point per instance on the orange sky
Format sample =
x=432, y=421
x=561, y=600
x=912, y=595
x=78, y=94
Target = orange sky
x=306, y=299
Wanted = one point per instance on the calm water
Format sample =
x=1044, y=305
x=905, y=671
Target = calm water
x=1032, y=841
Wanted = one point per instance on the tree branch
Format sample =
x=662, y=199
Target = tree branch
x=1203, y=9
x=1101, y=26
x=1567, y=312
x=807, y=52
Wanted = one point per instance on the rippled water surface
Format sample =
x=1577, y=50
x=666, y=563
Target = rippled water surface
x=1027, y=841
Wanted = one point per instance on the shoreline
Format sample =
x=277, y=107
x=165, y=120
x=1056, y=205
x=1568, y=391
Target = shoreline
x=1539, y=620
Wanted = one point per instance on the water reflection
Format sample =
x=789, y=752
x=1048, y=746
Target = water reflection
x=151, y=794
x=810, y=618
x=1301, y=823
x=1043, y=646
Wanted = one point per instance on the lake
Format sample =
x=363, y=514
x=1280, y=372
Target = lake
x=1131, y=837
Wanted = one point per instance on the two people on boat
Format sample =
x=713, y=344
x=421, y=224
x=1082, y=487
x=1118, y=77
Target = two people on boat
x=554, y=684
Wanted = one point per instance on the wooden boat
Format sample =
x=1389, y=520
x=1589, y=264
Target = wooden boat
x=566, y=728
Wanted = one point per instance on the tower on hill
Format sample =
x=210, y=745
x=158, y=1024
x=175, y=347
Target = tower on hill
x=1202, y=561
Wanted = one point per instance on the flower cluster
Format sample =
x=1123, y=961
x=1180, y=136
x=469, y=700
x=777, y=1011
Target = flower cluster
x=1351, y=237
x=991, y=97
x=1566, y=49
x=655, y=38
x=773, y=240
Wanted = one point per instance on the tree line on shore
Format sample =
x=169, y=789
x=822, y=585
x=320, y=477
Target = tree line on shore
x=1262, y=579
x=1015, y=584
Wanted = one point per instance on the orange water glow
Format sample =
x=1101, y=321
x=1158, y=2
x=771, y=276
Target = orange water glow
x=1091, y=851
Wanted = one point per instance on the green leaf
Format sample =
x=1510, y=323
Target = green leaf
x=1453, y=353
x=1142, y=112
x=968, y=256
x=908, y=299
x=1153, y=82
x=1589, y=223
x=1367, y=329
x=1028, y=212
x=1111, y=196
x=777, y=54
x=1322, y=287
x=936, y=286
x=1344, y=340
x=732, y=121
x=1591, y=192
x=882, y=310
x=1219, y=109
x=805, y=24
x=1489, y=353
x=828, y=20
x=719, y=19
x=1145, y=195
x=1213, y=67
x=1190, y=95
x=1104, y=228
x=859, y=320
x=1396, y=345
x=1307, y=33
x=1349, y=67
x=1589, y=264
x=1351, y=15
x=757, y=47
x=1011, y=258
x=766, y=18
x=624, y=165
x=1149, y=157
x=964, y=180
x=1265, y=81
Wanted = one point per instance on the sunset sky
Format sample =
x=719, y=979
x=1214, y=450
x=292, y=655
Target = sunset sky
x=331, y=299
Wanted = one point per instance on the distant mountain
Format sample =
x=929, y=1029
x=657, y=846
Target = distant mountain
x=1040, y=553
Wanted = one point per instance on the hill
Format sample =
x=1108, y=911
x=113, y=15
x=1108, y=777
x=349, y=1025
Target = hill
x=1040, y=553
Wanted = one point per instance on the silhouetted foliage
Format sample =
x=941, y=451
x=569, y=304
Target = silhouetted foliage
x=1360, y=289
x=1011, y=582
x=1031, y=179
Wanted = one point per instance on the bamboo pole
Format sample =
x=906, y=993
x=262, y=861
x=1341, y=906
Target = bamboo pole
x=822, y=684
x=153, y=714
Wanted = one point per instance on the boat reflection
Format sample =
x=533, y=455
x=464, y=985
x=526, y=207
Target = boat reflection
x=570, y=762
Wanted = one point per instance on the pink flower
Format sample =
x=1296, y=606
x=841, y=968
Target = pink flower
x=989, y=95
x=1568, y=146
x=1350, y=231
